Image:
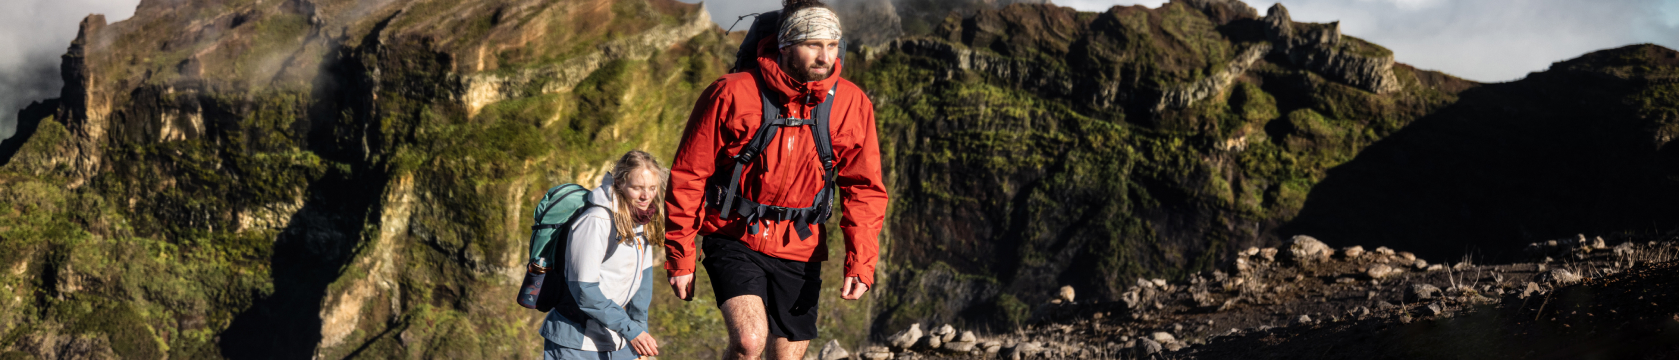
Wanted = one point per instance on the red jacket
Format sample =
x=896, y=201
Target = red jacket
x=789, y=174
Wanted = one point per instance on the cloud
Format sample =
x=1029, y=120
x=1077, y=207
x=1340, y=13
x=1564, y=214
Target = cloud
x=33, y=34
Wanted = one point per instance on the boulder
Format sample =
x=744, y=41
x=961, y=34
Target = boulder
x=1353, y=252
x=1422, y=292
x=1148, y=347
x=877, y=353
x=907, y=338
x=1380, y=271
x=1306, y=249
x=833, y=351
x=945, y=333
x=1066, y=294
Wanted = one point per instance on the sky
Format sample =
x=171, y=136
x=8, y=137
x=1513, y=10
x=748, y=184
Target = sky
x=1482, y=40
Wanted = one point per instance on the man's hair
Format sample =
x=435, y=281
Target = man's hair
x=790, y=6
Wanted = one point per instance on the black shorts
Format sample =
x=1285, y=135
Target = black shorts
x=789, y=288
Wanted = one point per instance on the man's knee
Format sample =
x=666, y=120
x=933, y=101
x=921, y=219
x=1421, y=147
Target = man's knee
x=749, y=344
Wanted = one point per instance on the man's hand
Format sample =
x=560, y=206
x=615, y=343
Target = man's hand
x=683, y=286
x=854, y=288
x=645, y=345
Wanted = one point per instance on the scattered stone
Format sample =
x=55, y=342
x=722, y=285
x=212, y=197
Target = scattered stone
x=1551, y=243
x=1380, y=271
x=1145, y=283
x=959, y=346
x=1173, y=346
x=1353, y=252
x=1462, y=265
x=1161, y=337
x=945, y=333
x=1066, y=294
x=929, y=342
x=1564, y=277
x=1420, y=264
x=1242, y=265
x=1598, y=243
x=1270, y=254
x=907, y=338
x=967, y=336
x=1435, y=308
x=1404, y=255
x=1149, y=347
x=1306, y=249
x=1384, y=250
x=1530, y=290
x=1436, y=267
x=992, y=347
x=833, y=351
x=1023, y=350
x=877, y=353
x=1345, y=280
x=1159, y=283
x=1304, y=319
x=1422, y=292
x=1251, y=251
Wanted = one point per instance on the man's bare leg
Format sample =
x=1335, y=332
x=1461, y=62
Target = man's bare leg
x=788, y=350
x=748, y=327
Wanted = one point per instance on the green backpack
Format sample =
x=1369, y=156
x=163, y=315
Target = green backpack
x=554, y=215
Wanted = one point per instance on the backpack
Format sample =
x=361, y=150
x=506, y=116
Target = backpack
x=728, y=199
x=554, y=215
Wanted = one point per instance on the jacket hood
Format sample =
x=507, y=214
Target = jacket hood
x=771, y=73
x=603, y=195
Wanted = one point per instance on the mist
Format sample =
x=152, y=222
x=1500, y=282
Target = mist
x=33, y=34
x=1481, y=40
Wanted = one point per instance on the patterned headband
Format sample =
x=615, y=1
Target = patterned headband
x=807, y=24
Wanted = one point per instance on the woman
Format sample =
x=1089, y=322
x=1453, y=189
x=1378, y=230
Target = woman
x=609, y=266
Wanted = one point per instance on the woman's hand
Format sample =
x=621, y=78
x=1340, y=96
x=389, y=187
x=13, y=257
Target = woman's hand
x=645, y=345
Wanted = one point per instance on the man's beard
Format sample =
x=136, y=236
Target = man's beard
x=805, y=74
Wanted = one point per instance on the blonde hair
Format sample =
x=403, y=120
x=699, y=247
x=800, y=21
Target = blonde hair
x=622, y=218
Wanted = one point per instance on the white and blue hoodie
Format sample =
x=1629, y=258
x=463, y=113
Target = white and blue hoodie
x=614, y=293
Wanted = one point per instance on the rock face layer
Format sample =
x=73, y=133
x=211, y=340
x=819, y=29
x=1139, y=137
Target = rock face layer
x=1035, y=146
x=326, y=178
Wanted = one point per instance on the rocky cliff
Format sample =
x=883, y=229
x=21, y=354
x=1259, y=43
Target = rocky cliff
x=349, y=178
x=326, y=179
x=1035, y=146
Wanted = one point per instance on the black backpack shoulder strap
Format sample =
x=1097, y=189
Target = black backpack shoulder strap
x=825, y=144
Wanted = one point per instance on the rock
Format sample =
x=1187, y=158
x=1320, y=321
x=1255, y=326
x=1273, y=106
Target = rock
x=959, y=346
x=1460, y=266
x=1269, y=254
x=907, y=338
x=1066, y=294
x=1251, y=251
x=1149, y=347
x=967, y=336
x=1436, y=267
x=1159, y=283
x=992, y=347
x=1242, y=265
x=946, y=333
x=1304, y=319
x=1564, y=277
x=1027, y=349
x=1422, y=292
x=1173, y=346
x=1145, y=283
x=929, y=342
x=1435, y=308
x=1405, y=255
x=833, y=351
x=1161, y=337
x=1530, y=290
x=1306, y=249
x=1384, y=250
x=1353, y=252
x=1380, y=271
x=1598, y=243
x=877, y=353
x=1420, y=264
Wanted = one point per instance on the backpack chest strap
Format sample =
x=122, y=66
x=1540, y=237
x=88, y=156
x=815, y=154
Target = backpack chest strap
x=733, y=204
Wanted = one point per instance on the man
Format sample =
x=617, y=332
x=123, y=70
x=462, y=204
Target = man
x=758, y=205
